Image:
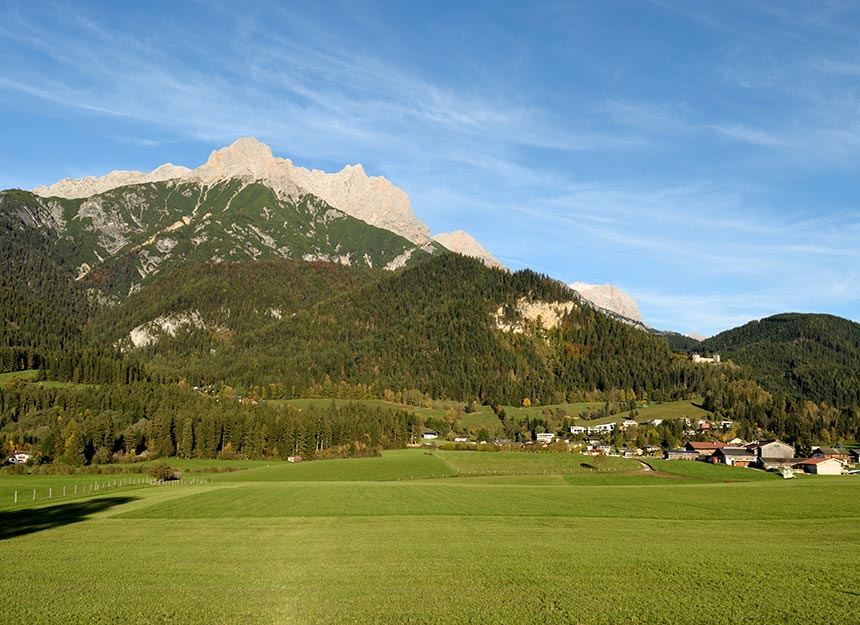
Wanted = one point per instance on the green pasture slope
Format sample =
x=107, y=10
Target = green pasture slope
x=441, y=537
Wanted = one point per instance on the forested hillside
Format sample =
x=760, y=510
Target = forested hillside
x=809, y=356
x=432, y=328
x=144, y=292
x=43, y=311
x=80, y=425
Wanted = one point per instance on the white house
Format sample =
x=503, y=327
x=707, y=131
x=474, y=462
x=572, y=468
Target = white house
x=655, y=422
x=577, y=429
x=19, y=458
x=821, y=466
x=602, y=428
x=545, y=437
x=461, y=438
x=714, y=360
x=628, y=423
x=429, y=435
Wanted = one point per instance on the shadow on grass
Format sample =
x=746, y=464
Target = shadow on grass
x=19, y=522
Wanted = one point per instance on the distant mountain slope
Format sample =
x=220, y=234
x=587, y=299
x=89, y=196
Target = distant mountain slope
x=216, y=301
x=42, y=308
x=805, y=355
x=447, y=326
x=122, y=238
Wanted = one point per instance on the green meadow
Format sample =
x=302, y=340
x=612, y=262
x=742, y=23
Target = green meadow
x=419, y=536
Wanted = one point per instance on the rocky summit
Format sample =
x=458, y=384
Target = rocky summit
x=609, y=298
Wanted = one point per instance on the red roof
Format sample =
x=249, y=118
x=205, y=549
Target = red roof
x=817, y=460
x=701, y=445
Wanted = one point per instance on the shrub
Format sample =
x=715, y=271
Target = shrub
x=160, y=470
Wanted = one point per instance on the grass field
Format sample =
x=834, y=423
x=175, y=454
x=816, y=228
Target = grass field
x=484, y=417
x=358, y=541
x=13, y=375
x=31, y=374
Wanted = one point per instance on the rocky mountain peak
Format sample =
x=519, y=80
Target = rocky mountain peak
x=372, y=199
x=610, y=298
x=465, y=244
x=73, y=188
x=244, y=157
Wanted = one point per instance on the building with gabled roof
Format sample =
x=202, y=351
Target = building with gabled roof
x=734, y=456
x=771, y=449
x=821, y=466
x=831, y=452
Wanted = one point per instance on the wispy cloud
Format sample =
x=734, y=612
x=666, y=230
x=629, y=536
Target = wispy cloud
x=591, y=153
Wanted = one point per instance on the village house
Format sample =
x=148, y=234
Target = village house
x=655, y=421
x=429, y=435
x=577, y=429
x=629, y=452
x=461, y=438
x=771, y=449
x=821, y=466
x=603, y=428
x=704, y=449
x=629, y=423
x=652, y=450
x=832, y=452
x=734, y=456
x=714, y=360
x=544, y=437
x=855, y=456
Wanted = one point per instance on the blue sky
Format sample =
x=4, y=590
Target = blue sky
x=702, y=156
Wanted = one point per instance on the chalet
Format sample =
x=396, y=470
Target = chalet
x=655, y=422
x=771, y=449
x=734, y=456
x=652, y=450
x=544, y=437
x=429, y=435
x=855, y=455
x=630, y=452
x=832, y=452
x=821, y=466
x=461, y=438
x=736, y=442
x=680, y=454
x=630, y=423
x=577, y=429
x=702, y=448
x=725, y=425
